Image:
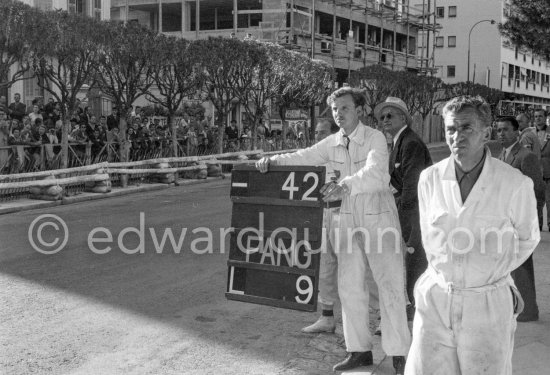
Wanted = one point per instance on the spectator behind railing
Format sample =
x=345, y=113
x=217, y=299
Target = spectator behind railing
x=4, y=138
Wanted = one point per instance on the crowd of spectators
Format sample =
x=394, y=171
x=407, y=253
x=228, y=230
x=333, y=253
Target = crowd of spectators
x=39, y=130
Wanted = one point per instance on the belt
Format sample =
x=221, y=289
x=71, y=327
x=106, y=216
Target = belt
x=450, y=288
x=332, y=204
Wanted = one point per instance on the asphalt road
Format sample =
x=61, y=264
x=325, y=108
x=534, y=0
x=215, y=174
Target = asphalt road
x=110, y=308
x=80, y=312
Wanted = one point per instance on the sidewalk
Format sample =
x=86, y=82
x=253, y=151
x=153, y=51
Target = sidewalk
x=532, y=340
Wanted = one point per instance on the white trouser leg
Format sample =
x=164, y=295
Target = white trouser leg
x=328, y=271
x=353, y=289
x=463, y=333
x=385, y=258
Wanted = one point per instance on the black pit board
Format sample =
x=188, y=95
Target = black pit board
x=283, y=205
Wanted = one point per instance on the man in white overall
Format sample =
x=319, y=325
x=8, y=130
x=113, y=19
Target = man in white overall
x=328, y=270
x=368, y=212
x=478, y=218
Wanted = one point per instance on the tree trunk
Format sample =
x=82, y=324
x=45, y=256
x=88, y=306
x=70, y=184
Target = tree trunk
x=65, y=141
x=172, y=123
x=221, y=131
x=282, y=112
x=312, y=123
x=254, y=135
x=124, y=143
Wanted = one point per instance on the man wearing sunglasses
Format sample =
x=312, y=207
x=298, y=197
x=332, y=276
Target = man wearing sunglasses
x=408, y=158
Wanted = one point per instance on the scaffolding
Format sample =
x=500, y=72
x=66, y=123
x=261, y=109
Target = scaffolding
x=385, y=32
x=399, y=12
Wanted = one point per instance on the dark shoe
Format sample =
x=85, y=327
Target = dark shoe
x=399, y=364
x=410, y=312
x=527, y=318
x=354, y=360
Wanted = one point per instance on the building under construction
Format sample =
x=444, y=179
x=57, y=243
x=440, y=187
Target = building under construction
x=348, y=34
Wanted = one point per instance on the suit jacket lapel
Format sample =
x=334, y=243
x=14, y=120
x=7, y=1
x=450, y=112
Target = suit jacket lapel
x=396, y=148
x=513, y=152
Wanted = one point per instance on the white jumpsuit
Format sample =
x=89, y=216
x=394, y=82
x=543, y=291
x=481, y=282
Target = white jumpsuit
x=368, y=208
x=465, y=316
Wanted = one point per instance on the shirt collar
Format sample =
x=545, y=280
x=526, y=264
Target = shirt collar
x=475, y=171
x=448, y=168
x=396, y=137
x=355, y=136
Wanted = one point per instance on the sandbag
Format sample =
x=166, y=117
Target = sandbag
x=214, y=170
x=53, y=190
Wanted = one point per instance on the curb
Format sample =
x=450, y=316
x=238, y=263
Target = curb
x=34, y=204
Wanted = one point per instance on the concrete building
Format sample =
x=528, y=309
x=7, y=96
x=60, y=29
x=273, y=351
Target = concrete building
x=28, y=88
x=469, y=42
x=348, y=34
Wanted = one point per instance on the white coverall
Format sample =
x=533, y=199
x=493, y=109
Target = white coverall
x=465, y=318
x=368, y=207
x=328, y=270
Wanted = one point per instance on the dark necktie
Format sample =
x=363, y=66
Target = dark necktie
x=347, y=140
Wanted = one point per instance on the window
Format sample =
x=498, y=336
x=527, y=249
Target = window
x=452, y=11
x=450, y=71
x=451, y=42
x=440, y=12
x=439, y=40
x=75, y=6
x=97, y=9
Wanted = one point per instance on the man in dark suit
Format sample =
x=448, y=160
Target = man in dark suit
x=521, y=158
x=408, y=158
x=543, y=133
x=17, y=109
x=112, y=119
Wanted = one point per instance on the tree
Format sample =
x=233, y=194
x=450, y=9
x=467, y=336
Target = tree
x=527, y=25
x=378, y=82
x=227, y=68
x=428, y=91
x=492, y=96
x=67, y=62
x=176, y=77
x=267, y=81
x=306, y=83
x=22, y=31
x=126, y=67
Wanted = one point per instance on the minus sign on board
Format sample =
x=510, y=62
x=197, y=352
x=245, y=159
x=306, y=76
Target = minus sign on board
x=239, y=184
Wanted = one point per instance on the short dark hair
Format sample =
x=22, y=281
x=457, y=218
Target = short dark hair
x=357, y=95
x=476, y=103
x=511, y=119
